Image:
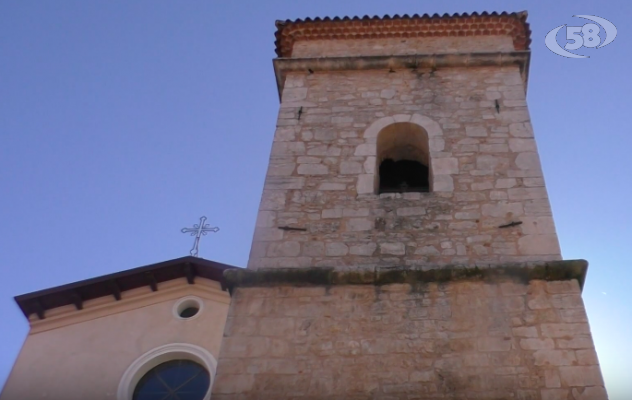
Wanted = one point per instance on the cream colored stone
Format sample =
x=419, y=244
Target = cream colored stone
x=476, y=131
x=365, y=184
x=445, y=166
x=294, y=94
x=312, y=169
x=539, y=244
x=336, y=249
x=443, y=183
x=528, y=160
x=365, y=150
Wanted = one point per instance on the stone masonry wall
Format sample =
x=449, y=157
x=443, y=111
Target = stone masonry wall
x=456, y=340
x=484, y=168
x=400, y=46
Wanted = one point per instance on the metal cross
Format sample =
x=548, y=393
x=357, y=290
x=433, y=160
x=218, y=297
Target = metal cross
x=198, y=230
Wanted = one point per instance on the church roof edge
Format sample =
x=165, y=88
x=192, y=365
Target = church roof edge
x=114, y=284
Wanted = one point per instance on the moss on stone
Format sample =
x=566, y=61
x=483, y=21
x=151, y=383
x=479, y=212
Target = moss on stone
x=415, y=276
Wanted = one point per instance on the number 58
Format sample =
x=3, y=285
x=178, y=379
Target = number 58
x=590, y=36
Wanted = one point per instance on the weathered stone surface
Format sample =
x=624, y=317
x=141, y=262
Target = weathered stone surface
x=457, y=293
x=485, y=170
x=512, y=278
x=401, y=341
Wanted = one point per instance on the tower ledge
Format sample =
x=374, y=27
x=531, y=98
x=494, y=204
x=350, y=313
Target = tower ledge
x=414, y=62
x=328, y=276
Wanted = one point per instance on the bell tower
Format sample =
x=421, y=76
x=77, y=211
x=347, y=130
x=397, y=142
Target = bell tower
x=405, y=245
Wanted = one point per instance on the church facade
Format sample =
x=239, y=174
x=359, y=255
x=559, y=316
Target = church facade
x=404, y=248
x=116, y=336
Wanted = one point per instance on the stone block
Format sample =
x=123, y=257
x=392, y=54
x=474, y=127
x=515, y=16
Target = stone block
x=502, y=210
x=366, y=249
x=581, y=376
x=537, y=344
x=281, y=169
x=528, y=161
x=336, y=249
x=388, y=94
x=396, y=249
x=365, y=184
x=365, y=149
x=287, y=148
x=350, y=168
x=505, y=183
x=539, y=244
x=359, y=224
x=564, y=331
x=272, y=200
x=427, y=251
x=522, y=145
x=411, y=211
x=527, y=193
x=332, y=186
x=554, y=357
x=554, y=394
x=521, y=130
x=493, y=344
x=445, y=166
x=443, y=183
x=294, y=94
x=369, y=165
x=312, y=169
x=265, y=219
x=475, y=131
x=313, y=249
x=284, y=249
x=589, y=393
x=355, y=212
x=284, y=182
x=331, y=213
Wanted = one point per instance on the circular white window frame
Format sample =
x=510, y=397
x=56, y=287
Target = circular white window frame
x=162, y=354
x=186, y=302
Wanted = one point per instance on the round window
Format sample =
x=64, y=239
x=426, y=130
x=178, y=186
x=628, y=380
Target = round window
x=187, y=307
x=174, y=380
x=189, y=312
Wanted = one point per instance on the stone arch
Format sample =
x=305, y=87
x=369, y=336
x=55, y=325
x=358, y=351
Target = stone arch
x=433, y=143
x=162, y=354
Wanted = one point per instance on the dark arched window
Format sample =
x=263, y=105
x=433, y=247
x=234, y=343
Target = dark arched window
x=174, y=380
x=403, y=159
x=403, y=176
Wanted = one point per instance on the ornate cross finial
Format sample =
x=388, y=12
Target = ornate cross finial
x=198, y=230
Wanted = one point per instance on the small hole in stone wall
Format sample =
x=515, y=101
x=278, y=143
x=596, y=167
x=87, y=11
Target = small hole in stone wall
x=403, y=176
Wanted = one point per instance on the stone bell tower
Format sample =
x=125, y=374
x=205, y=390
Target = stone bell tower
x=405, y=246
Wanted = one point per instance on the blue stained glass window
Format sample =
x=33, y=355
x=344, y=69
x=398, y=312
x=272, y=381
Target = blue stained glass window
x=174, y=380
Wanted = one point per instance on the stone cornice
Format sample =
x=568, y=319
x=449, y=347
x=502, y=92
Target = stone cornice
x=378, y=276
x=432, y=62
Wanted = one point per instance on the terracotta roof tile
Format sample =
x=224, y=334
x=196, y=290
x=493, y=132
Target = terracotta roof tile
x=474, y=24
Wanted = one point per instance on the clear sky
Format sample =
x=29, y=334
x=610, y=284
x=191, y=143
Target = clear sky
x=123, y=121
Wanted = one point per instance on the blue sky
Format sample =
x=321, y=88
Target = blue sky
x=123, y=121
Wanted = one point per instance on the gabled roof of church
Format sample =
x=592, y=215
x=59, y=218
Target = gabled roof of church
x=510, y=24
x=114, y=284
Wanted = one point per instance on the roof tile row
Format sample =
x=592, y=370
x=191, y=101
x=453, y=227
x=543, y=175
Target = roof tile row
x=474, y=24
